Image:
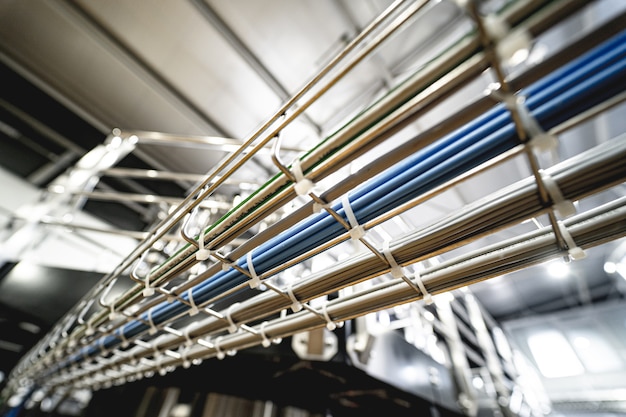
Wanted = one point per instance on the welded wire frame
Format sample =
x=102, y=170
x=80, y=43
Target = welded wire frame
x=99, y=350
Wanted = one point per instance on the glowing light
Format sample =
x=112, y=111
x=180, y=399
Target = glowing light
x=558, y=269
x=553, y=354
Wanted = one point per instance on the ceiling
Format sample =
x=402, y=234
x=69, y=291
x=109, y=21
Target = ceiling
x=211, y=72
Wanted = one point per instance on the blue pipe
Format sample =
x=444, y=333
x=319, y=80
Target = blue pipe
x=575, y=87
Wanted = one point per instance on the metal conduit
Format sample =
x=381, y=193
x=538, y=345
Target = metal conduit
x=438, y=159
x=481, y=218
x=588, y=229
x=183, y=264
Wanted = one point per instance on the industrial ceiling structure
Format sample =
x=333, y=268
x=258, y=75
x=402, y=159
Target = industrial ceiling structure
x=164, y=166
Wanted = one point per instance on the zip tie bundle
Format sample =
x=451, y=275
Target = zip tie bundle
x=255, y=281
x=417, y=277
x=564, y=207
x=148, y=290
x=202, y=254
x=318, y=207
x=232, y=328
x=194, y=308
x=540, y=140
x=266, y=341
x=153, y=328
x=220, y=353
x=356, y=230
x=188, y=341
x=398, y=272
x=303, y=186
x=575, y=252
x=296, y=305
x=183, y=355
x=330, y=324
x=123, y=338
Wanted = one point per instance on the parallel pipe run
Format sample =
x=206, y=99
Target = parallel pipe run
x=214, y=180
x=598, y=73
x=570, y=8
x=582, y=175
x=588, y=229
x=255, y=261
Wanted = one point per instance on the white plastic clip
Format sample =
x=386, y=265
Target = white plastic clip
x=510, y=100
x=153, y=328
x=90, y=330
x=254, y=279
x=356, y=230
x=188, y=341
x=296, y=305
x=103, y=350
x=303, y=185
x=564, y=207
x=232, y=326
x=266, y=341
x=512, y=46
x=202, y=254
x=123, y=338
x=318, y=207
x=540, y=141
x=148, y=290
x=330, y=324
x=183, y=355
x=113, y=315
x=226, y=266
x=193, y=310
x=396, y=270
x=220, y=353
x=417, y=277
x=575, y=252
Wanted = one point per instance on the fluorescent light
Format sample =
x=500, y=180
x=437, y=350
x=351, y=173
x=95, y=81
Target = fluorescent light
x=558, y=269
x=553, y=355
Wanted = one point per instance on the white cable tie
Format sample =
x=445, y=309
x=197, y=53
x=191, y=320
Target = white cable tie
x=194, y=308
x=123, y=338
x=232, y=328
x=220, y=353
x=330, y=324
x=417, y=277
x=318, y=207
x=113, y=315
x=540, y=141
x=266, y=341
x=296, y=305
x=356, y=230
x=512, y=46
x=183, y=355
x=188, y=341
x=254, y=279
x=148, y=290
x=153, y=328
x=202, y=254
x=575, y=252
x=396, y=270
x=510, y=100
x=103, y=350
x=564, y=207
x=169, y=297
x=303, y=185
x=226, y=266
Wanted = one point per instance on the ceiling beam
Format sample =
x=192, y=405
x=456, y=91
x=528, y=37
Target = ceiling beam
x=125, y=54
x=246, y=53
